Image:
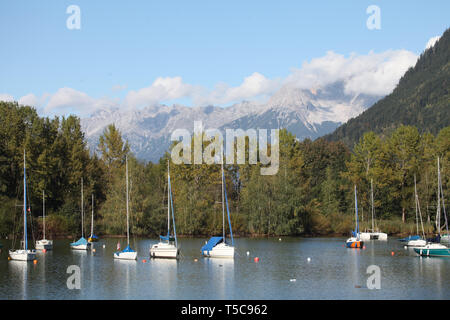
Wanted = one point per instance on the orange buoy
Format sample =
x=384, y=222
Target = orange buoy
x=44, y=250
x=256, y=259
x=35, y=261
x=9, y=258
x=392, y=253
x=144, y=261
x=364, y=247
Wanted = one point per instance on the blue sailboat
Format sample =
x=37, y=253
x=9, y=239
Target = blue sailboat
x=92, y=237
x=24, y=254
x=127, y=253
x=218, y=246
x=82, y=243
x=354, y=241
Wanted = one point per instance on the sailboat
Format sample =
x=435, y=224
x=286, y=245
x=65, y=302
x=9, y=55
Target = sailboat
x=420, y=242
x=373, y=234
x=127, y=253
x=92, y=237
x=44, y=244
x=355, y=241
x=82, y=243
x=432, y=249
x=218, y=246
x=24, y=254
x=168, y=245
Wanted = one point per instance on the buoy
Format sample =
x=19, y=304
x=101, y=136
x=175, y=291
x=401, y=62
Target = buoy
x=35, y=261
x=406, y=247
x=279, y=239
x=309, y=259
x=248, y=253
x=9, y=258
x=256, y=259
x=195, y=259
x=104, y=246
x=392, y=253
x=44, y=250
x=293, y=280
x=93, y=250
x=144, y=261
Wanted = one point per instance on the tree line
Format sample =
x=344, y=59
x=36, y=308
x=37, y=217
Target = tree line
x=312, y=193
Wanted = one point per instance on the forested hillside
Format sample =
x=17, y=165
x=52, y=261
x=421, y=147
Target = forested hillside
x=421, y=99
x=312, y=193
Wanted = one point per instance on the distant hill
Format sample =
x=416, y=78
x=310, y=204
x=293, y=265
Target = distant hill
x=421, y=99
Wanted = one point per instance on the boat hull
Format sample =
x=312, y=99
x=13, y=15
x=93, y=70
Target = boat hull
x=221, y=250
x=163, y=250
x=81, y=246
x=22, y=255
x=354, y=243
x=416, y=243
x=366, y=236
x=433, y=250
x=132, y=255
x=44, y=244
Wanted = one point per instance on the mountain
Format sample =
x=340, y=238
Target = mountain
x=421, y=99
x=306, y=113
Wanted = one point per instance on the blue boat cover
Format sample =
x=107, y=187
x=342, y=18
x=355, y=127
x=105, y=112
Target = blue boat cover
x=167, y=238
x=127, y=249
x=211, y=244
x=81, y=241
x=409, y=238
x=353, y=234
x=93, y=236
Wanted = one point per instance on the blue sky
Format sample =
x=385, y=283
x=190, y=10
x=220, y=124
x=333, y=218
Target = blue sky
x=126, y=46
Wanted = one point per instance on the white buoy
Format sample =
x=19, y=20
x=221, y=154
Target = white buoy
x=248, y=253
x=309, y=259
x=405, y=247
x=279, y=239
x=293, y=280
x=104, y=246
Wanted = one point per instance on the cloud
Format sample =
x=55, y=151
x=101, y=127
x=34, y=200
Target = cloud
x=6, y=97
x=374, y=73
x=432, y=42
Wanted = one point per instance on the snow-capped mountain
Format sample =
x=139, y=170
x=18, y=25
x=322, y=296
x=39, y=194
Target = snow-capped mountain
x=306, y=113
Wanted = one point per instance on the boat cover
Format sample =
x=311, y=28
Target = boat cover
x=167, y=238
x=211, y=244
x=409, y=238
x=81, y=241
x=127, y=249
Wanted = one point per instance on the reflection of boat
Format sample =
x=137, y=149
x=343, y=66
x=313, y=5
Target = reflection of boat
x=44, y=243
x=168, y=245
x=127, y=253
x=420, y=242
x=93, y=237
x=24, y=254
x=436, y=249
x=217, y=246
x=374, y=233
x=355, y=241
x=82, y=243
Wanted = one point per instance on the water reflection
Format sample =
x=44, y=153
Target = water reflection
x=19, y=270
x=220, y=273
x=164, y=275
x=124, y=271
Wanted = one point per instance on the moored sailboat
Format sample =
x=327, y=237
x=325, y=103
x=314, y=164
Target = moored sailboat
x=92, y=237
x=354, y=241
x=417, y=242
x=168, y=245
x=127, y=253
x=218, y=246
x=436, y=249
x=24, y=254
x=44, y=244
x=374, y=233
x=82, y=243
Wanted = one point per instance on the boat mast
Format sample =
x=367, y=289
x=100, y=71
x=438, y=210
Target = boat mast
x=356, y=214
x=128, y=224
x=416, y=199
x=168, y=198
x=82, y=210
x=438, y=213
x=43, y=208
x=371, y=196
x=223, y=203
x=92, y=218
x=25, y=244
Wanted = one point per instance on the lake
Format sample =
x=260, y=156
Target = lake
x=283, y=272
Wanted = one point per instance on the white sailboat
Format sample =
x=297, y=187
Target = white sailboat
x=217, y=246
x=82, y=243
x=44, y=244
x=421, y=241
x=355, y=241
x=167, y=247
x=24, y=254
x=127, y=253
x=374, y=233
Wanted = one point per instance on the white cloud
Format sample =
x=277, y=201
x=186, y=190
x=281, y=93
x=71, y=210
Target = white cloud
x=29, y=100
x=432, y=42
x=6, y=97
x=374, y=73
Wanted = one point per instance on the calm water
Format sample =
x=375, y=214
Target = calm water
x=334, y=272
